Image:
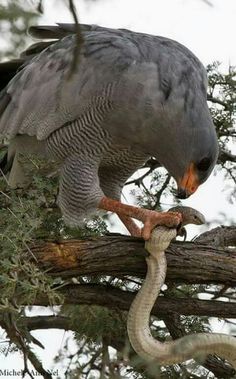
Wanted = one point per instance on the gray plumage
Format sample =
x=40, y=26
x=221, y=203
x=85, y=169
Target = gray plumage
x=131, y=96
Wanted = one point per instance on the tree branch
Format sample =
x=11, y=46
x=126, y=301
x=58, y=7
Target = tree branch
x=226, y=156
x=222, y=236
x=152, y=164
x=217, y=101
x=188, y=262
x=79, y=39
x=47, y=322
x=115, y=298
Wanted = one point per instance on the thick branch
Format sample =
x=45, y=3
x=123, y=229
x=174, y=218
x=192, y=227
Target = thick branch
x=115, y=298
x=222, y=236
x=47, y=322
x=188, y=262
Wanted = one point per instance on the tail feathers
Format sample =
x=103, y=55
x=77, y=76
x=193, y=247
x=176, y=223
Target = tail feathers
x=46, y=32
x=61, y=30
x=52, y=31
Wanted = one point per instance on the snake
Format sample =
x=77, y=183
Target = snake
x=192, y=346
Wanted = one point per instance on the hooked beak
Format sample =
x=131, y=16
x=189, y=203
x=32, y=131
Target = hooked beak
x=189, y=183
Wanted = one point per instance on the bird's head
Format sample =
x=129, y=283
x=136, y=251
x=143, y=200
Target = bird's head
x=201, y=153
x=195, y=174
x=192, y=151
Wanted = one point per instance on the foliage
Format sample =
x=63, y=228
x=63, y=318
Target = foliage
x=222, y=98
x=27, y=216
x=15, y=19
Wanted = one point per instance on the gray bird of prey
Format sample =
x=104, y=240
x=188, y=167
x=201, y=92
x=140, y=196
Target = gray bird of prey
x=132, y=96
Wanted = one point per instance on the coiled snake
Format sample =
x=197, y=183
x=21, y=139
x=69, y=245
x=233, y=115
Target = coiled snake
x=188, y=347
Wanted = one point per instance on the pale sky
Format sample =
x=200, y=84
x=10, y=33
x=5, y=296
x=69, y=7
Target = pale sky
x=208, y=31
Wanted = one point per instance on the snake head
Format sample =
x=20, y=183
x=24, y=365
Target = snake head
x=189, y=215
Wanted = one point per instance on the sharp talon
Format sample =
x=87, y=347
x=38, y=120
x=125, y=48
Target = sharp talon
x=146, y=236
x=153, y=219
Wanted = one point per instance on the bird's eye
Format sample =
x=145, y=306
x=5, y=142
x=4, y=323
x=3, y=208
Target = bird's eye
x=204, y=164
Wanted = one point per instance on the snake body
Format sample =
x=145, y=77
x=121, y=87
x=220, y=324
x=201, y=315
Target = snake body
x=188, y=347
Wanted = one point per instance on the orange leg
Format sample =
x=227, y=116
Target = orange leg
x=149, y=218
x=134, y=230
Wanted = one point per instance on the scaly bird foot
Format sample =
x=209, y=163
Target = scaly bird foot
x=149, y=218
x=130, y=225
x=152, y=219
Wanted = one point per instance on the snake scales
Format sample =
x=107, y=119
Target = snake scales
x=188, y=347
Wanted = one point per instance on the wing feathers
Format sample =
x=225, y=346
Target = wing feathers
x=40, y=99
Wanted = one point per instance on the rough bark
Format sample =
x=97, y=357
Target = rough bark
x=188, y=262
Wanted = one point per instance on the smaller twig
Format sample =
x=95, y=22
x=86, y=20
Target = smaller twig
x=221, y=292
x=78, y=42
x=160, y=192
x=138, y=181
x=93, y=359
x=217, y=101
x=30, y=251
x=105, y=359
x=208, y=3
x=226, y=156
x=4, y=194
x=40, y=7
x=152, y=164
x=4, y=176
x=17, y=338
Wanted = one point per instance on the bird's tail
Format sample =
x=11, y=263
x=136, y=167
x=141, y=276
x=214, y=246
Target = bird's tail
x=48, y=32
x=60, y=30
